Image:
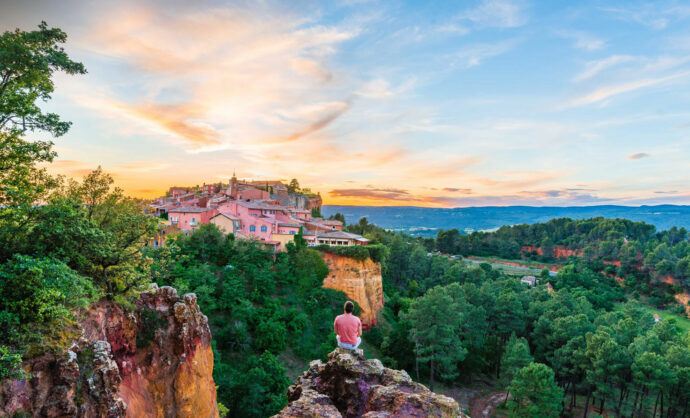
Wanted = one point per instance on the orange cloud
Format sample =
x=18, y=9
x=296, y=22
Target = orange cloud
x=176, y=119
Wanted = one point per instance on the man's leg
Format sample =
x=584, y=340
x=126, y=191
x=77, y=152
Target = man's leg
x=359, y=341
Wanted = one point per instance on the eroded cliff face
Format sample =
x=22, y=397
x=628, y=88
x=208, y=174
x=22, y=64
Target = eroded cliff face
x=360, y=281
x=155, y=361
x=351, y=386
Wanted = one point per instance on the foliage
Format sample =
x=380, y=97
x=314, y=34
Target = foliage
x=10, y=364
x=435, y=322
x=151, y=321
x=535, y=392
x=293, y=186
x=376, y=252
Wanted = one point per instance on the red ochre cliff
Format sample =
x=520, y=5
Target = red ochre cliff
x=359, y=280
x=168, y=372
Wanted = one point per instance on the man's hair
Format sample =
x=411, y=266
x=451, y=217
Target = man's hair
x=349, y=307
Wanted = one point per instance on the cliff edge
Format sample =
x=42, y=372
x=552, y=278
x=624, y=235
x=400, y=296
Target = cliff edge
x=360, y=280
x=348, y=385
x=153, y=361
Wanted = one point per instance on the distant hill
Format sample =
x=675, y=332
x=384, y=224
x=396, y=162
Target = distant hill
x=427, y=221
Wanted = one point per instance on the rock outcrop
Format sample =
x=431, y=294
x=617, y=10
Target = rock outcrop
x=154, y=361
x=351, y=386
x=359, y=280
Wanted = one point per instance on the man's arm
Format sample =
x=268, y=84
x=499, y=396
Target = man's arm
x=359, y=329
x=335, y=326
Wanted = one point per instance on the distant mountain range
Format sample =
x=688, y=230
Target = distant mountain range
x=427, y=221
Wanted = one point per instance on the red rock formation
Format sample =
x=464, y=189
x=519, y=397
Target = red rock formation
x=562, y=252
x=350, y=386
x=559, y=251
x=683, y=297
x=359, y=280
x=109, y=373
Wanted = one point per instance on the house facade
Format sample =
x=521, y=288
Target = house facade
x=190, y=217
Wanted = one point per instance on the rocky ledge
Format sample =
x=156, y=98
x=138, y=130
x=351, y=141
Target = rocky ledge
x=152, y=361
x=349, y=385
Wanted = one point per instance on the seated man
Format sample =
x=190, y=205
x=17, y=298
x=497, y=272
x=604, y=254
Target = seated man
x=348, y=328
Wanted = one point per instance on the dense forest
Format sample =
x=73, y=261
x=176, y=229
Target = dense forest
x=632, y=251
x=585, y=341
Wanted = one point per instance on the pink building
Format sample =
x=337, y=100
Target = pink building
x=252, y=193
x=190, y=217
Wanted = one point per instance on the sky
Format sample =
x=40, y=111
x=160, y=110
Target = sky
x=448, y=104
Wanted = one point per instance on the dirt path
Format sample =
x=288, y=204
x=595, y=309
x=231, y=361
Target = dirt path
x=484, y=406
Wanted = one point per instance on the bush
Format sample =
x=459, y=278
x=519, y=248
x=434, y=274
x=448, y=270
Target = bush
x=376, y=252
x=10, y=364
x=42, y=290
x=151, y=321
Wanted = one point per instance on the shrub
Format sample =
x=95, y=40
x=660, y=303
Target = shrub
x=10, y=364
x=376, y=252
x=151, y=321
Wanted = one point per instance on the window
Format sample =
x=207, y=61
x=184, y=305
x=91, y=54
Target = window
x=292, y=232
x=263, y=228
x=252, y=228
x=193, y=222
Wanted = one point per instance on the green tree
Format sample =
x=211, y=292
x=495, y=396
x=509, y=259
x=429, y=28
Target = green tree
x=435, y=324
x=338, y=217
x=28, y=61
x=535, y=392
x=516, y=357
x=293, y=186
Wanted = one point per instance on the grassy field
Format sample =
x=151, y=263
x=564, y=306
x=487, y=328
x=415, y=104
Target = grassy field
x=512, y=270
x=682, y=322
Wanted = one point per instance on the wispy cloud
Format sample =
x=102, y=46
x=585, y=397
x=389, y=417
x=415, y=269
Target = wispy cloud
x=497, y=13
x=583, y=40
x=595, y=67
x=638, y=156
x=457, y=190
x=178, y=120
x=606, y=92
x=474, y=55
x=653, y=15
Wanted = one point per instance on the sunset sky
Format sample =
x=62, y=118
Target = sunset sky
x=466, y=103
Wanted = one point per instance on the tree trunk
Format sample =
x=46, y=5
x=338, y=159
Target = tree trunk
x=416, y=366
x=565, y=391
x=685, y=408
x=107, y=281
x=661, y=411
x=573, y=399
x=637, y=395
x=620, y=401
x=589, y=395
x=431, y=375
x=656, y=403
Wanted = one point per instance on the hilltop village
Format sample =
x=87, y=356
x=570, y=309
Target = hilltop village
x=267, y=211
